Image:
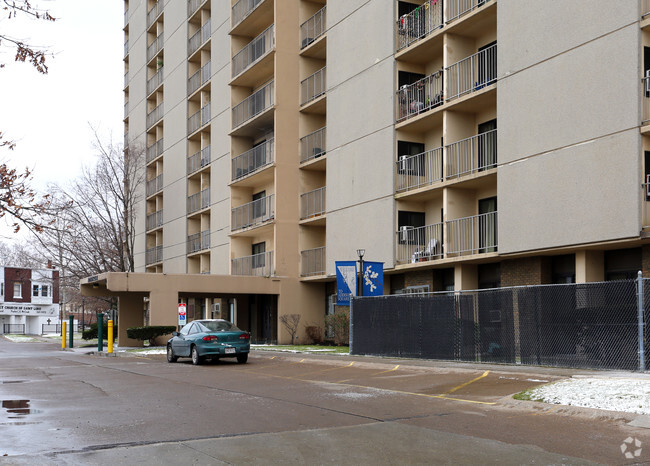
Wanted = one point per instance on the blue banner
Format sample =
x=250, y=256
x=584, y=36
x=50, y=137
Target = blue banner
x=346, y=282
x=373, y=278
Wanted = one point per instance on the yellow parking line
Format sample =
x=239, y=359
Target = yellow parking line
x=466, y=383
x=372, y=375
x=327, y=370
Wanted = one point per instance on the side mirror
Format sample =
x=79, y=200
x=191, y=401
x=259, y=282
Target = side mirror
x=175, y=334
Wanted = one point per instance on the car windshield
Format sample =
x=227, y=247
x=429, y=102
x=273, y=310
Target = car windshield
x=217, y=326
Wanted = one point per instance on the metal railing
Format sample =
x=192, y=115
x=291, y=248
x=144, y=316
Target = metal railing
x=312, y=262
x=472, y=235
x=155, y=220
x=473, y=73
x=253, y=105
x=419, y=244
x=126, y=109
x=419, y=23
x=254, y=213
x=50, y=328
x=193, y=5
x=126, y=17
x=198, y=242
x=154, y=255
x=198, y=201
x=154, y=13
x=155, y=80
x=154, y=150
x=418, y=170
x=473, y=154
x=253, y=51
x=313, y=28
x=126, y=79
x=126, y=140
x=645, y=203
x=199, y=38
x=199, y=78
x=199, y=119
x=458, y=8
x=259, y=265
x=254, y=159
x=313, y=145
x=154, y=185
x=16, y=329
x=242, y=9
x=126, y=47
x=155, y=46
x=646, y=98
x=312, y=204
x=199, y=160
x=645, y=8
x=313, y=87
x=155, y=115
x=422, y=95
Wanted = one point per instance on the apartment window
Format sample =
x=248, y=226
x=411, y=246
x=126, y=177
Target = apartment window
x=45, y=290
x=407, y=222
x=408, y=165
x=35, y=290
x=259, y=208
x=259, y=258
x=18, y=290
x=563, y=268
x=622, y=264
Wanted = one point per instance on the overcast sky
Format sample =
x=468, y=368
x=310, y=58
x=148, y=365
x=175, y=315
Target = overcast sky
x=48, y=116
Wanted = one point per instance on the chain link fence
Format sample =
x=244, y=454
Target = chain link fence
x=587, y=325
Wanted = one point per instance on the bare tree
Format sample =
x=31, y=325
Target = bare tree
x=290, y=322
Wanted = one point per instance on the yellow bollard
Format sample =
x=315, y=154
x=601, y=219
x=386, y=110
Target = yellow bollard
x=110, y=337
x=63, y=335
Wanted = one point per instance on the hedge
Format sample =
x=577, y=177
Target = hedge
x=91, y=333
x=149, y=333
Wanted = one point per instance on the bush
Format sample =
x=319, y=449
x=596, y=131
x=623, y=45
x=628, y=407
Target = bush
x=91, y=333
x=315, y=333
x=339, y=322
x=149, y=333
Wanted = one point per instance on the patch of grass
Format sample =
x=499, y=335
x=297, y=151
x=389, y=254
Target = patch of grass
x=527, y=395
x=303, y=348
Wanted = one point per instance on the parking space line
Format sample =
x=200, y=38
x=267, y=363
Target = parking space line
x=327, y=370
x=466, y=383
x=372, y=375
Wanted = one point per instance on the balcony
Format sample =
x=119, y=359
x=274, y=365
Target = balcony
x=472, y=73
x=646, y=99
x=253, y=52
x=198, y=242
x=645, y=8
x=313, y=28
x=154, y=255
x=126, y=109
x=198, y=79
x=253, y=160
x=126, y=79
x=154, y=220
x=126, y=17
x=458, y=8
x=199, y=119
x=312, y=262
x=199, y=38
x=313, y=87
x=417, y=171
x=155, y=115
x=420, y=97
x=419, y=23
x=312, y=204
x=419, y=244
x=253, y=105
x=259, y=265
x=253, y=214
x=155, y=81
x=155, y=47
x=472, y=155
x=193, y=5
x=126, y=47
x=198, y=201
x=645, y=204
x=242, y=9
x=472, y=235
x=313, y=145
x=154, y=150
x=199, y=160
x=155, y=185
x=153, y=14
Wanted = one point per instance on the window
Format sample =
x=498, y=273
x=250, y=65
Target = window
x=45, y=290
x=2, y=288
x=18, y=290
x=487, y=145
x=487, y=225
x=35, y=289
x=259, y=258
x=259, y=205
x=407, y=163
x=409, y=224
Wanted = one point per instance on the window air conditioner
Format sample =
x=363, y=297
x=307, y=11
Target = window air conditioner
x=647, y=186
x=647, y=83
x=216, y=307
x=403, y=163
x=404, y=233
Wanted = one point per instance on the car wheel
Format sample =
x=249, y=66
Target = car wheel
x=196, y=359
x=242, y=358
x=170, y=354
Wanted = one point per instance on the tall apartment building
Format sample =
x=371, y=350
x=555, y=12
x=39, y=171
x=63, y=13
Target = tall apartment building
x=464, y=143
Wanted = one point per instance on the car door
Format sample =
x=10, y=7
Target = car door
x=181, y=344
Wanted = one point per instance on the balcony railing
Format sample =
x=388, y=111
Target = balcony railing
x=155, y=46
x=422, y=95
x=198, y=242
x=418, y=170
x=242, y=9
x=154, y=150
x=193, y=5
x=312, y=204
x=126, y=140
x=198, y=201
x=126, y=109
x=472, y=73
x=645, y=8
x=472, y=235
x=199, y=38
x=253, y=105
x=199, y=160
x=126, y=47
x=154, y=255
x=126, y=17
x=313, y=28
x=155, y=115
x=419, y=23
x=254, y=159
x=473, y=154
x=154, y=82
x=313, y=145
x=155, y=220
x=154, y=13
x=199, y=78
x=154, y=185
x=254, y=213
x=646, y=98
x=645, y=203
x=313, y=87
x=312, y=262
x=126, y=79
x=418, y=244
x=199, y=119
x=255, y=50
x=458, y=8
x=259, y=265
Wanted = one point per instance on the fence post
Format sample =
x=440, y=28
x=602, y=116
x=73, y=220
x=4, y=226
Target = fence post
x=71, y=330
x=100, y=332
x=640, y=321
x=351, y=330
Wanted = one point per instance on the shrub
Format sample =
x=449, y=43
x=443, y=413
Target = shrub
x=339, y=322
x=149, y=333
x=91, y=333
x=315, y=333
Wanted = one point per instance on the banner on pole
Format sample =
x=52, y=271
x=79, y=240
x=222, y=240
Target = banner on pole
x=373, y=278
x=346, y=282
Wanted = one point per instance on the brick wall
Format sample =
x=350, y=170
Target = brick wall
x=22, y=276
x=526, y=271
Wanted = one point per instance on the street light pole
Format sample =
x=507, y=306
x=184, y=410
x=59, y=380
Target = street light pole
x=361, y=253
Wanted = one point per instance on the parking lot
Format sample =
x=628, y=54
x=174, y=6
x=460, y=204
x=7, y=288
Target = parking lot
x=290, y=409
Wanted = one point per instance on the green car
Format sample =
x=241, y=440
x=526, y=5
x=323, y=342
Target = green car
x=211, y=338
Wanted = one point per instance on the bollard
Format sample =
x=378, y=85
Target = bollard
x=71, y=330
x=100, y=332
x=63, y=334
x=110, y=337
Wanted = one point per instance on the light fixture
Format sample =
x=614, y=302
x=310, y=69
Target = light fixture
x=361, y=253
